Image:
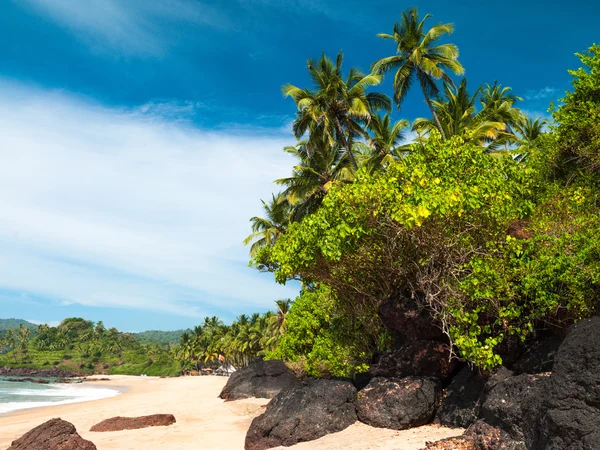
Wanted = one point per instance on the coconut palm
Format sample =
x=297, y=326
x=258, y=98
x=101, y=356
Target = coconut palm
x=337, y=109
x=278, y=321
x=419, y=56
x=457, y=115
x=319, y=166
x=384, y=144
x=266, y=230
x=530, y=129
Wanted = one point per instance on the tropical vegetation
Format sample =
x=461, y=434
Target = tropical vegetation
x=489, y=220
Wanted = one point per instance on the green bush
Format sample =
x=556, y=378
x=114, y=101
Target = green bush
x=578, y=116
x=325, y=341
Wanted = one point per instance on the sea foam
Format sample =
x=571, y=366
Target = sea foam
x=24, y=397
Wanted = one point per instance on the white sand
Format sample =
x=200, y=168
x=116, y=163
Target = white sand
x=203, y=420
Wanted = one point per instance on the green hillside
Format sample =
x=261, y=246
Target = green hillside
x=82, y=346
x=13, y=324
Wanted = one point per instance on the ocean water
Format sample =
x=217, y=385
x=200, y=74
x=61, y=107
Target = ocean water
x=15, y=396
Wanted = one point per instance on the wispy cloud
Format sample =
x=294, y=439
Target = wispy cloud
x=109, y=207
x=546, y=92
x=52, y=323
x=132, y=26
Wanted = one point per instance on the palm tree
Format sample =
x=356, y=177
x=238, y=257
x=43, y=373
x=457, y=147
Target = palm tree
x=266, y=230
x=418, y=56
x=457, y=116
x=338, y=108
x=530, y=129
x=319, y=166
x=384, y=143
x=278, y=321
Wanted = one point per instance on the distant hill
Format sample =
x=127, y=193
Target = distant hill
x=158, y=337
x=11, y=324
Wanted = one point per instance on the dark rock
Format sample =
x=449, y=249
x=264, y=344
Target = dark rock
x=504, y=396
x=404, y=318
x=539, y=357
x=487, y=437
x=421, y=358
x=133, y=423
x=479, y=436
x=44, y=373
x=564, y=412
x=398, y=403
x=263, y=379
x=56, y=434
x=309, y=410
x=30, y=380
x=510, y=350
x=68, y=380
x=460, y=406
x=361, y=380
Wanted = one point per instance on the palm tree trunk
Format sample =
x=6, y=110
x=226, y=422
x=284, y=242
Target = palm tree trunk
x=435, y=117
x=345, y=143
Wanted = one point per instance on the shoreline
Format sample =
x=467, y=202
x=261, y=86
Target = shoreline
x=110, y=391
x=202, y=419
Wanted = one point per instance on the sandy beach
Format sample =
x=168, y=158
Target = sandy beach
x=203, y=420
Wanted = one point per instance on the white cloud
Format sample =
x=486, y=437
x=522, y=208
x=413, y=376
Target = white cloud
x=52, y=323
x=108, y=207
x=130, y=26
x=546, y=92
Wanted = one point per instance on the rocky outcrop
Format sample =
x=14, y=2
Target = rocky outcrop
x=479, y=436
x=408, y=322
x=564, y=411
x=27, y=379
x=423, y=358
x=263, y=379
x=307, y=411
x=398, y=403
x=461, y=403
x=133, y=423
x=44, y=373
x=56, y=434
x=504, y=397
x=539, y=357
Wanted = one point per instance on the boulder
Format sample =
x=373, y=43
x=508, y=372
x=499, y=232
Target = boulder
x=461, y=403
x=56, y=434
x=133, y=423
x=398, y=403
x=307, y=411
x=504, y=396
x=263, y=379
x=564, y=412
x=45, y=373
x=510, y=349
x=30, y=380
x=408, y=322
x=479, y=436
x=421, y=358
x=539, y=357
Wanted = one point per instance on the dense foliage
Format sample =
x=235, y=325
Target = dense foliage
x=487, y=221
x=160, y=337
x=79, y=345
x=322, y=341
x=578, y=116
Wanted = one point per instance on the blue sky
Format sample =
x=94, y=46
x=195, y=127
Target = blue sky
x=138, y=137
